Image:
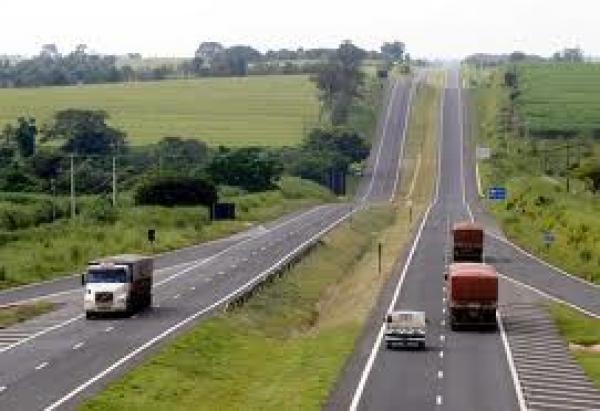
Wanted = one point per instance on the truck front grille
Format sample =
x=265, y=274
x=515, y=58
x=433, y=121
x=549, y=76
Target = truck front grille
x=104, y=298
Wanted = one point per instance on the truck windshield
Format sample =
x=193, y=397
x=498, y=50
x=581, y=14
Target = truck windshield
x=107, y=276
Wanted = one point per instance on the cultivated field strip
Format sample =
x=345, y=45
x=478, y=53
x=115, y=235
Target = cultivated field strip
x=549, y=376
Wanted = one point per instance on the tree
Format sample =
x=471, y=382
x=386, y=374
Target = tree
x=25, y=135
x=252, y=168
x=176, y=152
x=208, y=50
x=569, y=55
x=590, y=171
x=394, y=51
x=171, y=191
x=85, y=132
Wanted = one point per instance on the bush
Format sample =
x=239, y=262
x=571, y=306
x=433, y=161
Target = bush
x=102, y=211
x=173, y=191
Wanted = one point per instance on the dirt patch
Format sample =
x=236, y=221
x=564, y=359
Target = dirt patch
x=585, y=348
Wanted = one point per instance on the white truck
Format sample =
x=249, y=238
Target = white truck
x=118, y=284
x=405, y=327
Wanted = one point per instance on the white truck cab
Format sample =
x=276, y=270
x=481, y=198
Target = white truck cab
x=117, y=284
x=405, y=327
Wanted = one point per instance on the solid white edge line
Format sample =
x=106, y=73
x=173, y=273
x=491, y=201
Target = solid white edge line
x=511, y=365
x=194, y=316
x=381, y=141
x=45, y=331
x=539, y=260
x=462, y=149
x=370, y=361
x=411, y=93
x=551, y=297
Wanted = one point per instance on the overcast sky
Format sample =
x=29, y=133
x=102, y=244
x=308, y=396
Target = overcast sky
x=430, y=28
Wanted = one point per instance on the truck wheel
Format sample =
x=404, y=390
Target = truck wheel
x=422, y=345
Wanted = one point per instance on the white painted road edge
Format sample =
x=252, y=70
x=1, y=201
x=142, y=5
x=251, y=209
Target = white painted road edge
x=381, y=141
x=511, y=365
x=192, y=265
x=411, y=93
x=550, y=297
x=539, y=260
x=194, y=316
x=371, y=360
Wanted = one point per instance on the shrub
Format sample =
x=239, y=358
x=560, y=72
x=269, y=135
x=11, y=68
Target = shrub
x=173, y=191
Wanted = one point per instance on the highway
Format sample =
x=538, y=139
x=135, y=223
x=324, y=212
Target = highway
x=468, y=370
x=56, y=360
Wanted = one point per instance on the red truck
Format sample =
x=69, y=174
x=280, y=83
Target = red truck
x=467, y=241
x=472, y=295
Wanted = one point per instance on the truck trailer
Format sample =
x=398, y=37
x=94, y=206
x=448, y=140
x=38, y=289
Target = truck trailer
x=467, y=242
x=118, y=284
x=472, y=295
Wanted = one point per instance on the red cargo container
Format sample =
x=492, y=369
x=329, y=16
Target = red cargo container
x=472, y=294
x=468, y=242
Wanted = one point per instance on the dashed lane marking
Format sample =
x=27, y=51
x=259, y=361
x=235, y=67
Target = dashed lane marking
x=440, y=374
x=438, y=400
x=41, y=366
x=3, y=388
x=109, y=329
x=78, y=345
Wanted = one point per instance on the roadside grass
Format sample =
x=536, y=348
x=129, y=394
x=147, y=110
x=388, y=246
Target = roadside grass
x=16, y=314
x=284, y=348
x=59, y=248
x=583, y=331
x=537, y=197
x=256, y=110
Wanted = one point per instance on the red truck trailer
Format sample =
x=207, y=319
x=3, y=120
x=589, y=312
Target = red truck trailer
x=467, y=242
x=472, y=295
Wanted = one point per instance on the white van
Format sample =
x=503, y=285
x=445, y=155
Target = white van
x=404, y=328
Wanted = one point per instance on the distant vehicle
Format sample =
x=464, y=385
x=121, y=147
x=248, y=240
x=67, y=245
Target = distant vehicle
x=472, y=295
x=119, y=284
x=405, y=327
x=467, y=242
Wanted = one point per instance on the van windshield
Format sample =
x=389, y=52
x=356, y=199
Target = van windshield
x=107, y=276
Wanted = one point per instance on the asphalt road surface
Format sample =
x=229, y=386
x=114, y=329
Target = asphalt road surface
x=56, y=360
x=464, y=370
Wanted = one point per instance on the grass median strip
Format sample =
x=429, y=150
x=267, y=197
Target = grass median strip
x=12, y=315
x=285, y=348
x=583, y=335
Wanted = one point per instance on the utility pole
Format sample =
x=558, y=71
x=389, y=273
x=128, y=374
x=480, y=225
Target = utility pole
x=114, y=181
x=72, y=186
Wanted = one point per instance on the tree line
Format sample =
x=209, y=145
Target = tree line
x=52, y=68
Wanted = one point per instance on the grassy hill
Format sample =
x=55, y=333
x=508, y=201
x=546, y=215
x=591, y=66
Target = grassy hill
x=257, y=110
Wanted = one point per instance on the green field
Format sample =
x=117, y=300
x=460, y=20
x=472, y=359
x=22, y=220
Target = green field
x=559, y=98
x=257, y=110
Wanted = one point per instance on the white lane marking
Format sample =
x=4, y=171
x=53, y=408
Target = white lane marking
x=195, y=265
x=367, y=369
x=443, y=322
x=443, y=310
x=539, y=260
x=551, y=297
x=552, y=405
x=442, y=354
x=221, y=272
x=552, y=397
x=440, y=374
x=538, y=375
x=381, y=143
x=263, y=248
x=440, y=140
x=438, y=400
x=233, y=266
x=193, y=288
x=109, y=329
x=44, y=331
x=194, y=316
x=207, y=279
x=511, y=365
x=176, y=296
x=3, y=388
x=41, y=366
x=78, y=345
x=559, y=383
x=564, y=393
x=462, y=152
x=442, y=338
x=411, y=91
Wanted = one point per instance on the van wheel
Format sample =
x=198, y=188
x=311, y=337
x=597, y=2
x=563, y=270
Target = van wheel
x=88, y=315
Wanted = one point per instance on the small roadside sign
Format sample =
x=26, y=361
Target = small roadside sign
x=497, y=193
x=483, y=153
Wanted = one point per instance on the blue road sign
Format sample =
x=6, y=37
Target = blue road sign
x=497, y=193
